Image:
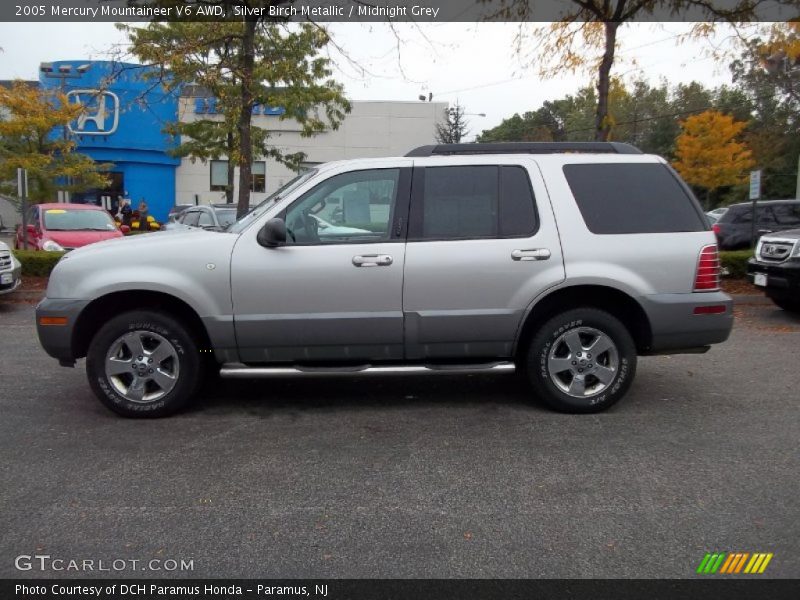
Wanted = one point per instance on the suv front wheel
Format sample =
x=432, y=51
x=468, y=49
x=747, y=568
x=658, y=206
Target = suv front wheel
x=581, y=361
x=143, y=364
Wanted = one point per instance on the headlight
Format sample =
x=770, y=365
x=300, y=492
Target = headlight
x=52, y=246
x=796, y=251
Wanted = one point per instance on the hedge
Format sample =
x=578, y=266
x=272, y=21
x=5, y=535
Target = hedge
x=37, y=263
x=735, y=262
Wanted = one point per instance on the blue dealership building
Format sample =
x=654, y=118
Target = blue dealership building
x=127, y=112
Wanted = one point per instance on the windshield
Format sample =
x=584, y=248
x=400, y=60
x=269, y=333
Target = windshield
x=61, y=219
x=259, y=209
x=226, y=217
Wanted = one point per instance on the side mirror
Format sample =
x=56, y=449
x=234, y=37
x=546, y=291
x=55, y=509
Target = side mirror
x=273, y=234
x=32, y=230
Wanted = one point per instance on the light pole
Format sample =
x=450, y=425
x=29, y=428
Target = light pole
x=63, y=73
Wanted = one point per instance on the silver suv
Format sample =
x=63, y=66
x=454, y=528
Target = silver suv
x=561, y=261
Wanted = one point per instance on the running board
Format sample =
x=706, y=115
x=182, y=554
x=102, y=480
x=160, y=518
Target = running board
x=239, y=371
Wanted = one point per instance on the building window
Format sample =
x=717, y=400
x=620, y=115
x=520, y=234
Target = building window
x=258, y=177
x=219, y=175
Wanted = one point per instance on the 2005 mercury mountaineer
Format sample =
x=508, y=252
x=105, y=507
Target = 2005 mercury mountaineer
x=564, y=261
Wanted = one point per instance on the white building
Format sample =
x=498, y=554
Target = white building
x=371, y=129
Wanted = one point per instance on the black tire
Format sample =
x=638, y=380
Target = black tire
x=548, y=346
x=183, y=366
x=788, y=304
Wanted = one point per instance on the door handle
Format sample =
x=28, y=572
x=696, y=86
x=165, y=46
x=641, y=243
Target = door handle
x=531, y=254
x=372, y=260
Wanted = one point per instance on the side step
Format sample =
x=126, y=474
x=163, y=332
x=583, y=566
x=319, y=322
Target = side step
x=239, y=371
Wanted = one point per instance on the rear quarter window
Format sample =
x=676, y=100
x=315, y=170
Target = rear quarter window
x=616, y=198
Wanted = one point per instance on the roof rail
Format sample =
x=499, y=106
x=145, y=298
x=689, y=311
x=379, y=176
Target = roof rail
x=525, y=148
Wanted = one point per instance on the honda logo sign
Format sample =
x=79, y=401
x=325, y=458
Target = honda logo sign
x=100, y=114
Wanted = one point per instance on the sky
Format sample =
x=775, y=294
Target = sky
x=473, y=63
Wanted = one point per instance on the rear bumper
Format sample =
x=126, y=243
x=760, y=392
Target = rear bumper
x=57, y=340
x=783, y=279
x=675, y=326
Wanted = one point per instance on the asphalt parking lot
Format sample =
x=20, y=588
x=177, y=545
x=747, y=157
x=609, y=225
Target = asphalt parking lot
x=411, y=477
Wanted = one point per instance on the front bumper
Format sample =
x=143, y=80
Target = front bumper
x=16, y=280
x=676, y=327
x=58, y=340
x=783, y=279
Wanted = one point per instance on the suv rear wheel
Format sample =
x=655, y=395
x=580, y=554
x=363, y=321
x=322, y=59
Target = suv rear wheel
x=143, y=364
x=581, y=361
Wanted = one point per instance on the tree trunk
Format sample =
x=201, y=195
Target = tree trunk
x=245, y=117
x=602, y=126
x=231, y=170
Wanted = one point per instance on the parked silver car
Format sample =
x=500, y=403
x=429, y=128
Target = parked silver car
x=564, y=261
x=207, y=216
x=10, y=270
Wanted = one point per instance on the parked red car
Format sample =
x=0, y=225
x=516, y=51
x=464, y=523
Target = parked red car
x=63, y=227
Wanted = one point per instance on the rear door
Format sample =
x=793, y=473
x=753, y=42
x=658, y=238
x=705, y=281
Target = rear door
x=482, y=244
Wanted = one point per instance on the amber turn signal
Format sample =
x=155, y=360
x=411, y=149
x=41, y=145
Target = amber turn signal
x=52, y=320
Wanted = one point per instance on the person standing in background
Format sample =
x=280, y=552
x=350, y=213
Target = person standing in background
x=144, y=224
x=125, y=211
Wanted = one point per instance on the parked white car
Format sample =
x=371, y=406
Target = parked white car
x=10, y=270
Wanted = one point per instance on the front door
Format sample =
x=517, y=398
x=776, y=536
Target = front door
x=333, y=293
x=482, y=245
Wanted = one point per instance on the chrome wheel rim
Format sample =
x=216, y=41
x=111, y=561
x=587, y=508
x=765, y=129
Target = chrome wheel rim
x=583, y=362
x=142, y=366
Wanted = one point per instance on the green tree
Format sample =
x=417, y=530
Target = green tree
x=31, y=122
x=455, y=127
x=244, y=64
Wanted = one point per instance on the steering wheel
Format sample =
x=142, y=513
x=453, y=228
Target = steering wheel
x=311, y=226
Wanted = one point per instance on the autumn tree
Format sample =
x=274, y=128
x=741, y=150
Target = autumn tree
x=455, y=127
x=248, y=62
x=586, y=37
x=31, y=124
x=773, y=104
x=708, y=153
x=779, y=54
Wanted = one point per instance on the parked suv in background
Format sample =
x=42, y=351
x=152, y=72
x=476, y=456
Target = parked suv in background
x=776, y=268
x=734, y=229
x=564, y=261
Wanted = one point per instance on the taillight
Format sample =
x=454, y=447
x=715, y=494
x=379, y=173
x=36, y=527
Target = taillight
x=716, y=229
x=707, y=277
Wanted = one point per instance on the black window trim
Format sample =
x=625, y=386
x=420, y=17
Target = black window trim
x=399, y=225
x=416, y=212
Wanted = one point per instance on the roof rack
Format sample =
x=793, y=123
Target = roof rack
x=525, y=148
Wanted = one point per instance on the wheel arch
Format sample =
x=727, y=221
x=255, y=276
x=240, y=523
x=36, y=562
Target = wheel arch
x=616, y=302
x=101, y=309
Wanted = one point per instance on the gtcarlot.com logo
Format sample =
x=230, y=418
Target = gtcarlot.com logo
x=734, y=563
x=45, y=562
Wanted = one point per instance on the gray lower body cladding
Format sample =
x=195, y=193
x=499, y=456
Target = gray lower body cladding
x=675, y=325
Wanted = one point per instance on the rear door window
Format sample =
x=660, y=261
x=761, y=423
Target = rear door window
x=617, y=198
x=787, y=215
x=472, y=202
